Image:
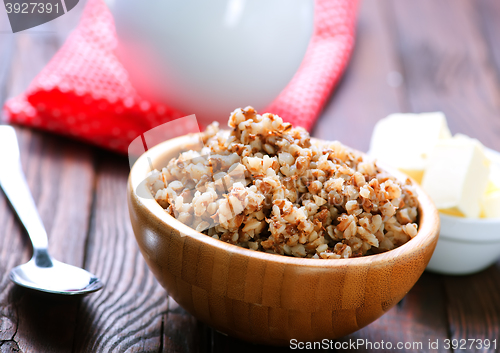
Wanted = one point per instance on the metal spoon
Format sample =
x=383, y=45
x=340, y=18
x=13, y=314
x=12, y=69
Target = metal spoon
x=42, y=272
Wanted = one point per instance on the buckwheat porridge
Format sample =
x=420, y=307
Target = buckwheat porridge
x=267, y=186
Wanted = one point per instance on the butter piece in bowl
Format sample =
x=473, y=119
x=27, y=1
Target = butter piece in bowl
x=491, y=199
x=456, y=176
x=406, y=140
x=461, y=177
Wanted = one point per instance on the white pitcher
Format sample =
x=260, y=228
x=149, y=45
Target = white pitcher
x=208, y=57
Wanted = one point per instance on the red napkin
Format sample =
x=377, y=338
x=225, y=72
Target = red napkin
x=84, y=91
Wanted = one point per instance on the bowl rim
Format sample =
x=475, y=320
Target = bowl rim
x=428, y=230
x=463, y=220
x=459, y=229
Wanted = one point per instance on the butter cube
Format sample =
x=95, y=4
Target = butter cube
x=491, y=205
x=492, y=187
x=405, y=141
x=456, y=176
x=491, y=200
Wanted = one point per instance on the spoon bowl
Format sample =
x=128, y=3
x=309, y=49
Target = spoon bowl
x=42, y=272
x=60, y=278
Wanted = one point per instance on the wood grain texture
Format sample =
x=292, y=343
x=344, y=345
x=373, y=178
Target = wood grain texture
x=419, y=318
x=473, y=307
x=490, y=26
x=6, y=52
x=371, y=87
x=129, y=313
x=447, y=65
x=58, y=172
x=57, y=177
x=448, y=58
x=60, y=175
x=183, y=333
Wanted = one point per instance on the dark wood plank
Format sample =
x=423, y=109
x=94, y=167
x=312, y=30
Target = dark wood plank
x=6, y=53
x=474, y=309
x=129, y=312
x=8, y=224
x=371, y=87
x=225, y=344
x=414, y=323
x=60, y=175
x=183, y=333
x=32, y=51
x=447, y=65
x=490, y=26
x=42, y=322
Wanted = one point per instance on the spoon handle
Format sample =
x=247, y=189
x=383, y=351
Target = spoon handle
x=14, y=185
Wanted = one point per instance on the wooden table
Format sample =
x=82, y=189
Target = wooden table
x=410, y=55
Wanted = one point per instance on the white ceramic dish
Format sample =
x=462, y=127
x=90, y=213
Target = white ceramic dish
x=466, y=246
x=207, y=57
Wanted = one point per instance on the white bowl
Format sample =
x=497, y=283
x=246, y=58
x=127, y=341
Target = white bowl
x=466, y=246
x=207, y=57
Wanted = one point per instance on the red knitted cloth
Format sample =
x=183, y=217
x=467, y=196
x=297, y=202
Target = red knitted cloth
x=84, y=91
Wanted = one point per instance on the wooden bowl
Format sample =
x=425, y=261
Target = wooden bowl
x=266, y=298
